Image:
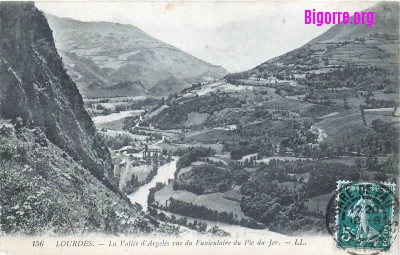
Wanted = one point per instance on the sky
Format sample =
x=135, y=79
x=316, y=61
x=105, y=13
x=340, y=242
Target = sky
x=237, y=35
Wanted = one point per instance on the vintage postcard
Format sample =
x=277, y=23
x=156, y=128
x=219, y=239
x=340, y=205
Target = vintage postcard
x=199, y=127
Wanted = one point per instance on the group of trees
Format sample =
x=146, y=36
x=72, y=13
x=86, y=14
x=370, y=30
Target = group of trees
x=298, y=141
x=295, y=136
x=152, y=135
x=260, y=112
x=323, y=177
x=190, y=155
x=352, y=76
x=196, y=225
x=197, y=150
x=122, y=140
x=204, y=178
x=263, y=148
x=204, y=213
x=150, y=197
x=386, y=140
x=140, y=104
x=211, y=178
x=134, y=183
x=118, y=141
x=380, y=103
x=282, y=207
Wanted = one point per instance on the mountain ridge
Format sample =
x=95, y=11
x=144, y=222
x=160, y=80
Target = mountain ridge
x=109, y=53
x=339, y=47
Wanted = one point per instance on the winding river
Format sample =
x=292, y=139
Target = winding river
x=166, y=172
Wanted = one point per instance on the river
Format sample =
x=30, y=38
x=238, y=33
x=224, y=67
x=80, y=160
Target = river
x=166, y=172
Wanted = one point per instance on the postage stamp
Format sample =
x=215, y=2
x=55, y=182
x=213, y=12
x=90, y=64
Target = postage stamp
x=364, y=215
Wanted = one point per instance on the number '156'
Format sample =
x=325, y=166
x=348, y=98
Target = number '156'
x=37, y=243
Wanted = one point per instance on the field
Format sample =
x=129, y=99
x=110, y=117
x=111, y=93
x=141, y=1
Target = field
x=206, y=136
x=184, y=170
x=352, y=160
x=319, y=203
x=295, y=186
x=347, y=125
x=303, y=108
x=195, y=118
x=115, y=116
x=384, y=96
x=214, y=201
x=117, y=99
x=112, y=105
x=233, y=194
x=115, y=125
x=380, y=111
x=217, y=158
x=141, y=171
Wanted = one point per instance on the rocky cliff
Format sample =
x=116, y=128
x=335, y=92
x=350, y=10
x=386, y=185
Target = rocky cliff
x=55, y=172
x=35, y=87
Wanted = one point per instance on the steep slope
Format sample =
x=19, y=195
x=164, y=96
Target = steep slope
x=386, y=21
x=36, y=88
x=339, y=47
x=99, y=55
x=56, y=172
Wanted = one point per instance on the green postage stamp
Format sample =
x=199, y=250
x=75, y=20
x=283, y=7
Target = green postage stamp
x=364, y=215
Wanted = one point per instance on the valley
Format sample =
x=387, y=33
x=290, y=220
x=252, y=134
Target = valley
x=113, y=131
x=263, y=149
x=257, y=130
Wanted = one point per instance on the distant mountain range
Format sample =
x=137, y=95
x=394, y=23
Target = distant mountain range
x=110, y=59
x=340, y=46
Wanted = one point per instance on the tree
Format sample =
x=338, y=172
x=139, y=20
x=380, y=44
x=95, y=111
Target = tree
x=381, y=177
x=363, y=115
x=345, y=103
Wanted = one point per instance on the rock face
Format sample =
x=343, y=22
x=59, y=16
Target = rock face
x=42, y=120
x=99, y=55
x=35, y=87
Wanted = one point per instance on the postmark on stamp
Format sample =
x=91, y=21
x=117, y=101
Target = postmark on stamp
x=364, y=214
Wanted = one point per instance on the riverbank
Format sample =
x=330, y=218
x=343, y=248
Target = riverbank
x=166, y=172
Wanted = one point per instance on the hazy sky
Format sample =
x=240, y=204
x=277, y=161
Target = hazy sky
x=236, y=35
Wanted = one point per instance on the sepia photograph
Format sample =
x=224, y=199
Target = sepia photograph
x=232, y=127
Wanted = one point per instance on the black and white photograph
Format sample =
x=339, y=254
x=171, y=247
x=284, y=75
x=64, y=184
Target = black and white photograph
x=198, y=127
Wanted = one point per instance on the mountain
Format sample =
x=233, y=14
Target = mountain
x=57, y=174
x=340, y=47
x=386, y=21
x=99, y=55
